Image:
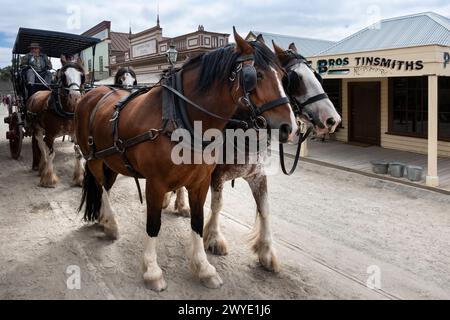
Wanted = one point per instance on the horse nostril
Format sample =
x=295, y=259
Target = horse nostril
x=331, y=122
x=286, y=128
x=285, y=132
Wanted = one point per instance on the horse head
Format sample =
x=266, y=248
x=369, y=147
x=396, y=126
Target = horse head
x=125, y=77
x=304, y=87
x=71, y=78
x=261, y=80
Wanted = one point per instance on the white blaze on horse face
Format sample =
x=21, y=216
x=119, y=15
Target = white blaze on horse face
x=73, y=78
x=127, y=80
x=293, y=123
x=324, y=109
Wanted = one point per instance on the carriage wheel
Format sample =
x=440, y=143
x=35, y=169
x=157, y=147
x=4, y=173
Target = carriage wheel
x=15, y=136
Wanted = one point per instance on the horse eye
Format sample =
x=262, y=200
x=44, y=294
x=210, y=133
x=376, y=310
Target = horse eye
x=259, y=75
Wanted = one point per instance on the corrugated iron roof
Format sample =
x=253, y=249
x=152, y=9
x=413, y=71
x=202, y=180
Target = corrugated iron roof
x=307, y=46
x=425, y=28
x=119, y=41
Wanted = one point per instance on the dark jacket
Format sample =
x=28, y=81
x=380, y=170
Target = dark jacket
x=41, y=63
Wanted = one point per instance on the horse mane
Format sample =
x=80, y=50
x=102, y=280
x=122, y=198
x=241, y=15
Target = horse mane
x=218, y=64
x=121, y=72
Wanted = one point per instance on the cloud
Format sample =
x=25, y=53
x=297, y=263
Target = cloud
x=5, y=57
x=331, y=20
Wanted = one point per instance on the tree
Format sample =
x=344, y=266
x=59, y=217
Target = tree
x=5, y=73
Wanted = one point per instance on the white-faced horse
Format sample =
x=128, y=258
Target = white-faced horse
x=53, y=117
x=125, y=77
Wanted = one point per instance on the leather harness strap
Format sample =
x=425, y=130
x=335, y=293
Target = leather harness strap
x=174, y=115
x=121, y=146
x=91, y=143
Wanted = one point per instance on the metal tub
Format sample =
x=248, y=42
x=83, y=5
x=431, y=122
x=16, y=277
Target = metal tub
x=414, y=173
x=396, y=169
x=380, y=167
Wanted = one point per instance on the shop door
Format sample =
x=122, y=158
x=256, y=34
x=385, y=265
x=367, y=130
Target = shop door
x=364, y=112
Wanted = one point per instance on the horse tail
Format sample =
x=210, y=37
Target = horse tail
x=92, y=196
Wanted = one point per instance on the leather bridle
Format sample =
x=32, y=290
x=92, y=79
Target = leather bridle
x=246, y=72
x=298, y=106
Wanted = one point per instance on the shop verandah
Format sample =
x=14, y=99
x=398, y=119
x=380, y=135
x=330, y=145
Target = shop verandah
x=357, y=159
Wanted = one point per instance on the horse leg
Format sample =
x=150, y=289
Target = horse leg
x=78, y=173
x=39, y=136
x=199, y=262
x=262, y=236
x=36, y=153
x=110, y=178
x=213, y=238
x=153, y=275
x=167, y=199
x=181, y=207
x=96, y=198
x=48, y=176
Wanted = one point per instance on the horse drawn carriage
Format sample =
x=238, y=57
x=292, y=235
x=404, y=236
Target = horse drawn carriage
x=52, y=44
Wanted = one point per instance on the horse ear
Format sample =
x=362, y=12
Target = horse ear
x=278, y=51
x=80, y=62
x=260, y=38
x=63, y=59
x=242, y=46
x=293, y=47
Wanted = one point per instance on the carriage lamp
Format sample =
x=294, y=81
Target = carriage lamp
x=172, y=55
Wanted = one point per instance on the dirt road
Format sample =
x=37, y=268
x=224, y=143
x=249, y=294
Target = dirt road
x=331, y=228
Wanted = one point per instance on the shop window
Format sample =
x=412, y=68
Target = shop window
x=333, y=87
x=100, y=59
x=408, y=106
x=444, y=107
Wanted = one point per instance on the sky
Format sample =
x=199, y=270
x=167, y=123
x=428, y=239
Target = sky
x=330, y=20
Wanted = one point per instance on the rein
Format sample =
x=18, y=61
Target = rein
x=297, y=154
x=196, y=106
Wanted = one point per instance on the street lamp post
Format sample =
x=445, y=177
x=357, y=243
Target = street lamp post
x=172, y=55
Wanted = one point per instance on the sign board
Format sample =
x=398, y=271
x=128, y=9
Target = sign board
x=363, y=64
x=143, y=49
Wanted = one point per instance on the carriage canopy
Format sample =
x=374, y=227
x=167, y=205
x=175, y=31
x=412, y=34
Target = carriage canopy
x=53, y=43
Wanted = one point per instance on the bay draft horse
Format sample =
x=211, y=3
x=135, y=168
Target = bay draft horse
x=209, y=81
x=314, y=107
x=53, y=119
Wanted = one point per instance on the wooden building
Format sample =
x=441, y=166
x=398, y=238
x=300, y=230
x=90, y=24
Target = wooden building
x=147, y=51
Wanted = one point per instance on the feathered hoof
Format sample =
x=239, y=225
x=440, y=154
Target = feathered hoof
x=157, y=285
x=183, y=212
x=215, y=242
x=268, y=258
x=111, y=234
x=212, y=282
x=49, y=181
x=77, y=182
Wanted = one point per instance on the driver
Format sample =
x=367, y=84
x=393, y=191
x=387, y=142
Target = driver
x=40, y=63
